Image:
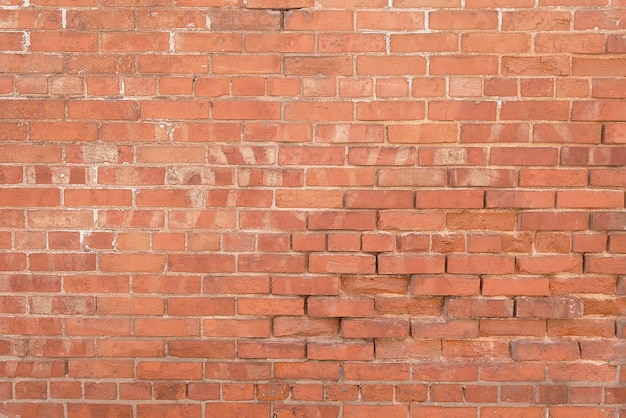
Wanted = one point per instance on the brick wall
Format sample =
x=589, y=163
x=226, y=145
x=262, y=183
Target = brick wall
x=312, y=208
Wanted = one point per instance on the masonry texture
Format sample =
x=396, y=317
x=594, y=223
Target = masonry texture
x=312, y=208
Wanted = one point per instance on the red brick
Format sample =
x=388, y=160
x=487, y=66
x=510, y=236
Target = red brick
x=581, y=372
x=145, y=411
x=388, y=110
x=583, y=284
x=249, y=409
x=177, y=110
x=383, y=199
x=347, y=351
x=167, y=371
x=554, y=221
x=167, y=327
x=271, y=349
x=277, y=263
x=480, y=264
x=237, y=19
x=100, y=369
x=200, y=306
x=31, y=390
x=375, y=328
x=352, y=133
x=331, y=307
x=545, y=65
x=308, y=20
x=63, y=42
x=277, y=132
x=376, y=372
x=169, y=391
x=342, y=392
x=206, y=263
x=422, y=133
x=158, y=19
x=531, y=177
x=614, y=133
x=444, y=286
x=448, y=372
x=549, y=264
x=480, y=220
x=96, y=326
x=236, y=327
x=351, y=43
x=201, y=349
x=339, y=263
x=271, y=306
x=607, y=177
x=512, y=372
x=382, y=156
x=595, y=199
x=130, y=348
x=96, y=197
x=588, y=327
x=459, y=110
x=311, y=155
x=361, y=220
x=449, y=329
x=283, y=42
x=323, y=199
x=459, y=65
x=319, y=66
x=310, y=371
x=435, y=199
x=510, y=327
x=549, y=308
x=563, y=411
x=462, y=307
x=519, y=199
x=304, y=327
x=132, y=262
x=607, y=265
x=446, y=393
x=250, y=64
x=94, y=410
x=240, y=109
x=308, y=392
x=515, y=286
x=207, y=42
x=100, y=110
x=472, y=177
x=441, y=411
x=408, y=305
x=354, y=411
x=378, y=242
x=487, y=42
x=391, y=65
x=407, y=349
x=374, y=285
x=57, y=262
x=410, y=264
x=65, y=390
x=585, y=395
x=330, y=411
x=530, y=350
x=238, y=371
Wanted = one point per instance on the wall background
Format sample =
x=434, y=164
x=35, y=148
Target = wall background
x=313, y=208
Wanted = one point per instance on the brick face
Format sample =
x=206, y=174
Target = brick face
x=312, y=208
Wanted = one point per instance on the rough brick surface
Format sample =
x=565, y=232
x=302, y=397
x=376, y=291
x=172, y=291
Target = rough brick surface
x=312, y=208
